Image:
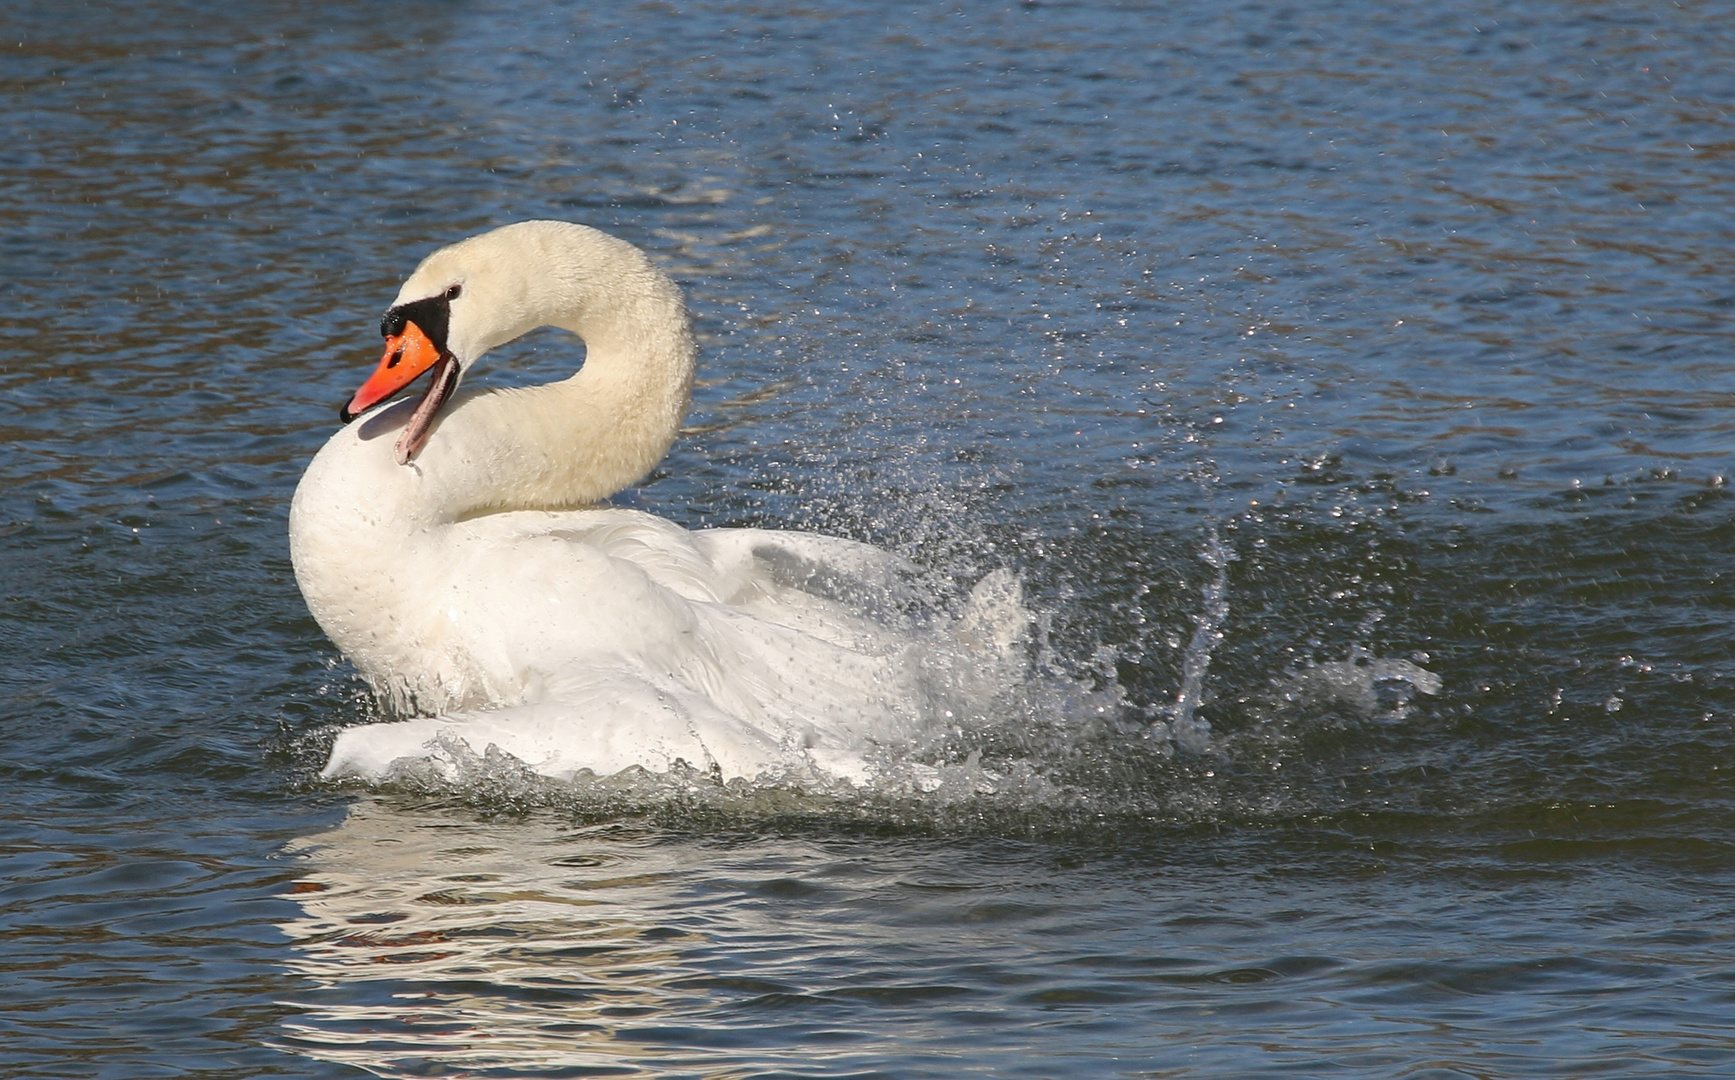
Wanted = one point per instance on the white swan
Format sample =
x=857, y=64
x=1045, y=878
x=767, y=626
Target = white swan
x=454, y=550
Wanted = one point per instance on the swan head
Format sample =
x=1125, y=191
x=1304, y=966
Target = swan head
x=426, y=328
x=417, y=337
x=465, y=299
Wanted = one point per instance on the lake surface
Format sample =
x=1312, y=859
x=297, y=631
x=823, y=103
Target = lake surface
x=1268, y=344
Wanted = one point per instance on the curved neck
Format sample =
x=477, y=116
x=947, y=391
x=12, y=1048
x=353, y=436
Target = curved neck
x=578, y=441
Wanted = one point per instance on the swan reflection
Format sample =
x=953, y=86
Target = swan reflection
x=443, y=943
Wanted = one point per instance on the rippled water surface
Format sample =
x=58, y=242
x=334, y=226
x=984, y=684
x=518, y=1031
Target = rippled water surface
x=1268, y=344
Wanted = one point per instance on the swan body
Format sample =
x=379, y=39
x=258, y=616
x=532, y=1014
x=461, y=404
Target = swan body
x=455, y=551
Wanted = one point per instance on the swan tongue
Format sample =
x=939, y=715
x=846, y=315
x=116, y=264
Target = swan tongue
x=421, y=424
x=407, y=355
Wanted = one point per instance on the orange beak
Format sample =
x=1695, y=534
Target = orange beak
x=407, y=356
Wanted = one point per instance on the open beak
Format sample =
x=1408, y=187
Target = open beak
x=407, y=356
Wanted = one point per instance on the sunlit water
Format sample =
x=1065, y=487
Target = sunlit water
x=1272, y=348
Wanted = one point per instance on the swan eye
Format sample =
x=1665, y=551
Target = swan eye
x=453, y=292
x=432, y=316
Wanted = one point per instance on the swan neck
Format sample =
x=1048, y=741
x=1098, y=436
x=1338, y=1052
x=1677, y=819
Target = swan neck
x=581, y=440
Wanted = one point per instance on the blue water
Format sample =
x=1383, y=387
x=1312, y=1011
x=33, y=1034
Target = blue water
x=1254, y=338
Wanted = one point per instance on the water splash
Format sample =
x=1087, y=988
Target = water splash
x=1190, y=731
